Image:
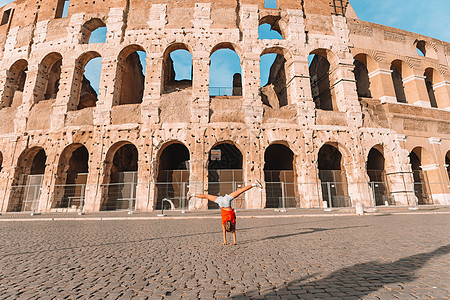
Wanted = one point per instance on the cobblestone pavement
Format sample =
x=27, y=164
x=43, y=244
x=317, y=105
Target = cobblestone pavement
x=347, y=257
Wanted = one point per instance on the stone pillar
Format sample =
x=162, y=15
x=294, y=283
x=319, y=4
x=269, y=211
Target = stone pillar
x=307, y=170
x=442, y=93
x=254, y=167
x=399, y=173
x=416, y=90
x=152, y=92
x=382, y=86
x=436, y=174
x=48, y=182
x=102, y=112
x=300, y=90
x=198, y=173
x=344, y=85
x=250, y=85
x=63, y=99
x=28, y=99
x=200, y=88
x=146, y=178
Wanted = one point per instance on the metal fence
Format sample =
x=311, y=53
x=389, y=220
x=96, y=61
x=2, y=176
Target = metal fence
x=69, y=197
x=25, y=198
x=225, y=91
x=174, y=192
x=119, y=196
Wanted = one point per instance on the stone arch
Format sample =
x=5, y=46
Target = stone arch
x=169, y=80
x=400, y=71
x=230, y=53
x=433, y=77
x=120, y=179
x=276, y=23
x=424, y=169
x=321, y=77
x=27, y=180
x=130, y=76
x=332, y=175
x=376, y=170
x=49, y=75
x=173, y=173
x=364, y=64
x=425, y=49
x=280, y=177
x=83, y=94
x=15, y=84
x=71, y=178
x=89, y=27
x=225, y=170
x=275, y=93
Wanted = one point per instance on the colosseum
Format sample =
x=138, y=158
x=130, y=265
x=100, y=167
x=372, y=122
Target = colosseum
x=352, y=112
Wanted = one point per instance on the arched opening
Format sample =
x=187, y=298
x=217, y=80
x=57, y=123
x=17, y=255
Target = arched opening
x=27, y=182
x=121, y=178
x=362, y=76
x=130, y=76
x=49, y=74
x=273, y=76
x=397, y=68
x=333, y=177
x=72, y=173
x=1, y=161
x=225, y=75
x=225, y=173
x=319, y=72
x=93, y=32
x=269, y=28
x=173, y=176
x=15, y=84
x=430, y=75
x=86, y=81
x=447, y=164
x=279, y=177
x=421, y=48
x=377, y=176
x=177, y=68
x=421, y=187
x=62, y=9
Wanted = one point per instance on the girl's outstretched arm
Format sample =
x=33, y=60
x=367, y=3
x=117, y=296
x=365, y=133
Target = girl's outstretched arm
x=209, y=197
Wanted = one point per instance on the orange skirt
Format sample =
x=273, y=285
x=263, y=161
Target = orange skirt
x=228, y=215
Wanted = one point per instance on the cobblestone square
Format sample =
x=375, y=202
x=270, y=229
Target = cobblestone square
x=346, y=257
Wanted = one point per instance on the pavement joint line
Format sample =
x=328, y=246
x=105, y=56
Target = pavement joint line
x=215, y=217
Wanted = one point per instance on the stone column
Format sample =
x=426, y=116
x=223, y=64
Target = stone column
x=48, y=182
x=416, y=90
x=200, y=88
x=23, y=111
x=254, y=169
x=442, y=92
x=146, y=178
x=63, y=99
x=198, y=174
x=399, y=173
x=152, y=92
x=344, y=85
x=307, y=171
x=381, y=85
x=102, y=112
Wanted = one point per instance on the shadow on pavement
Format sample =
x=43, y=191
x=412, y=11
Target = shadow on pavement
x=353, y=282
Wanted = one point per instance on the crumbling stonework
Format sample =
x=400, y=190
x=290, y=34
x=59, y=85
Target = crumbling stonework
x=324, y=122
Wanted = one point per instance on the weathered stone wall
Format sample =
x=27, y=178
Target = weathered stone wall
x=200, y=122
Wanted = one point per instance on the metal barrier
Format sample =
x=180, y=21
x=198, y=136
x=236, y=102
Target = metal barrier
x=175, y=192
x=222, y=188
x=381, y=194
x=69, y=197
x=225, y=91
x=119, y=196
x=25, y=198
x=282, y=195
x=335, y=194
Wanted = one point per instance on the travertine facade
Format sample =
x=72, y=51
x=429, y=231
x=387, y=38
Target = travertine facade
x=370, y=90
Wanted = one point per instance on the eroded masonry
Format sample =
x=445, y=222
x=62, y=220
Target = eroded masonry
x=352, y=112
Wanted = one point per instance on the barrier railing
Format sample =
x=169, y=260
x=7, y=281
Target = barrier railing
x=119, y=196
x=69, y=197
x=282, y=195
x=225, y=91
